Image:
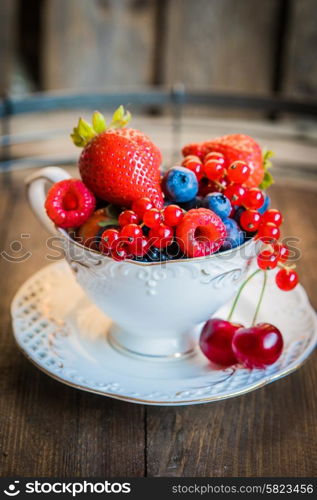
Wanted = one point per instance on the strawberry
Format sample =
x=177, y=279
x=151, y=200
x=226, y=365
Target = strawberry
x=118, y=165
x=235, y=147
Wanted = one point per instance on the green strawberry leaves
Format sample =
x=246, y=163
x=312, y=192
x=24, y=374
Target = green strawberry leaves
x=98, y=122
x=120, y=118
x=267, y=164
x=84, y=132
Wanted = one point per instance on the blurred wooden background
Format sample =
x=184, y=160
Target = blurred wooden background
x=251, y=46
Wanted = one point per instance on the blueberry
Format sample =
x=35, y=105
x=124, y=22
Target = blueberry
x=194, y=203
x=174, y=252
x=180, y=184
x=218, y=203
x=146, y=230
x=235, y=236
x=141, y=259
x=265, y=205
x=237, y=214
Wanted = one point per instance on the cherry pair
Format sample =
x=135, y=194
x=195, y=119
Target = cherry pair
x=226, y=343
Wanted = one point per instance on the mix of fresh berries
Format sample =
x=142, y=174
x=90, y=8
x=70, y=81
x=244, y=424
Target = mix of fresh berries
x=213, y=201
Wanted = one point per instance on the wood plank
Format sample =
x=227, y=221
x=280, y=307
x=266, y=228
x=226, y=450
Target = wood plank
x=7, y=41
x=97, y=43
x=46, y=428
x=300, y=57
x=217, y=45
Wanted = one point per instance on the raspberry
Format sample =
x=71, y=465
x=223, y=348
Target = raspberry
x=69, y=203
x=200, y=233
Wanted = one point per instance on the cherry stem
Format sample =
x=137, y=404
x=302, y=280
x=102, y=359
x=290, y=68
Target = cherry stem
x=260, y=298
x=240, y=291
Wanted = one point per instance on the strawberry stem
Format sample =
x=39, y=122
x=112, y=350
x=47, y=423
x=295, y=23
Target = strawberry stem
x=260, y=298
x=84, y=132
x=235, y=302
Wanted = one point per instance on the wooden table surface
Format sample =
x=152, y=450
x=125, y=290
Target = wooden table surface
x=48, y=429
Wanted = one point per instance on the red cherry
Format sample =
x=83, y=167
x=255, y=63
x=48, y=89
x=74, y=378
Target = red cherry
x=235, y=193
x=213, y=155
x=216, y=341
x=258, y=346
x=196, y=167
x=267, y=260
x=129, y=232
x=250, y=220
x=268, y=232
x=161, y=236
x=152, y=217
x=282, y=252
x=254, y=198
x=214, y=170
x=127, y=217
x=274, y=216
x=108, y=239
x=173, y=215
x=141, y=205
x=238, y=172
x=286, y=279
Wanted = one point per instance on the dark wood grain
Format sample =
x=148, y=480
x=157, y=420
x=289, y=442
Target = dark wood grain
x=47, y=429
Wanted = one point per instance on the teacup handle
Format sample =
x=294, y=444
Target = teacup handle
x=36, y=192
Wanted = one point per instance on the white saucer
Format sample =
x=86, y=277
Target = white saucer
x=65, y=335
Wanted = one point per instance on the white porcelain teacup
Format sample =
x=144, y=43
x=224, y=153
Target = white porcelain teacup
x=155, y=307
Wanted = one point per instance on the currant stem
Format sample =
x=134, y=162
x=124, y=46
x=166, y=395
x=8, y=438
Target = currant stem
x=239, y=293
x=260, y=298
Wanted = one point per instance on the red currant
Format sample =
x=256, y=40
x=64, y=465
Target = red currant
x=254, y=198
x=108, y=239
x=161, y=236
x=282, y=252
x=238, y=172
x=152, y=217
x=267, y=260
x=258, y=346
x=213, y=155
x=235, y=193
x=269, y=232
x=250, y=220
x=196, y=167
x=286, y=279
x=214, y=170
x=127, y=217
x=274, y=216
x=130, y=232
x=173, y=215
x=139, y=247
x=190, y=158
x=141, y=205
x=120, y=251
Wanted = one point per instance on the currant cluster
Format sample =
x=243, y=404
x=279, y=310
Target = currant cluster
x=141, y=228
x=214, y=174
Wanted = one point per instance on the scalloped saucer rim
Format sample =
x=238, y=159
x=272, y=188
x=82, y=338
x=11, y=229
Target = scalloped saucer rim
x=66, y=340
